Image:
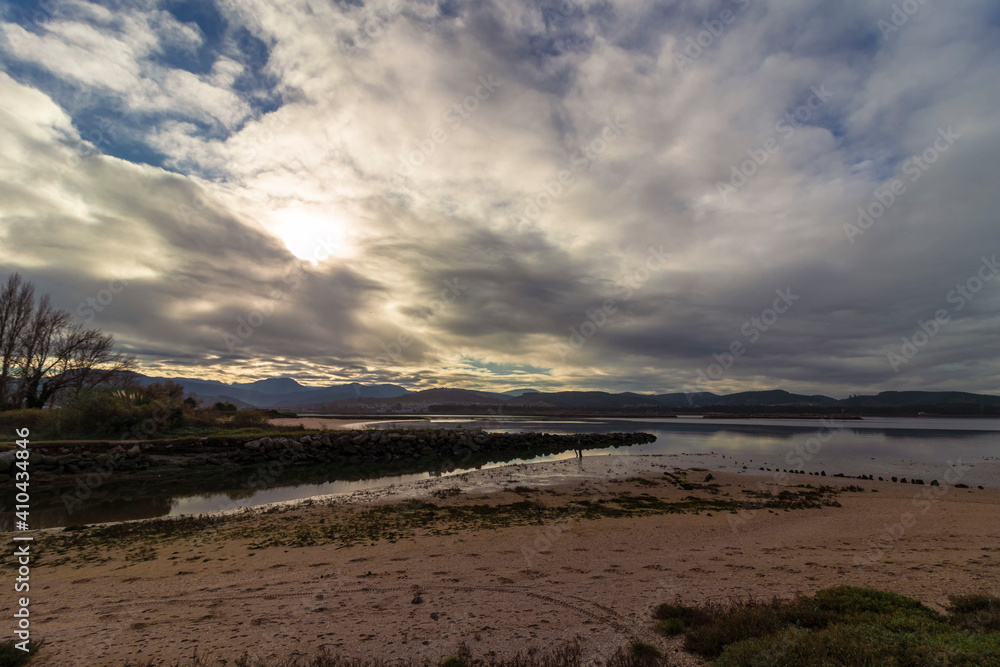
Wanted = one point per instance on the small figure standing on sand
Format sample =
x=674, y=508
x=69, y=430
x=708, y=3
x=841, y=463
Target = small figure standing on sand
x=579, y=450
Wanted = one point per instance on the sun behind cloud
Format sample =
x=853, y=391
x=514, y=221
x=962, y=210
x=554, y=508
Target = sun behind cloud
x=311, y=234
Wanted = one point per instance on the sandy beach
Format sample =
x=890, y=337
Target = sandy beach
x=244, y=583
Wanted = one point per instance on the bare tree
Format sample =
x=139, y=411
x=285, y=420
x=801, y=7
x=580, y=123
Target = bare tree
x=16, y=305
x=44, y=354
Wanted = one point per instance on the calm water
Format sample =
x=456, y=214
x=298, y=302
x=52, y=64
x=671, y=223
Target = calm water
x=881, y=446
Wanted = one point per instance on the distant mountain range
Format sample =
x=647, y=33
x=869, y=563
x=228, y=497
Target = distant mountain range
x=771, y=397
x=274, y=392
x=911, y=398
x=356, y=398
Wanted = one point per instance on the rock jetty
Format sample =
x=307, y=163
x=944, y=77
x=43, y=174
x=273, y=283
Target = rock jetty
x=439, y=447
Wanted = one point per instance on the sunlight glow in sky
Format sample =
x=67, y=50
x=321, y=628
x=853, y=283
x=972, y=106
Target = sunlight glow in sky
x=487, y=181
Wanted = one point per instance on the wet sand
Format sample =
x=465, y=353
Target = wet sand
x=509, y=588
x=322, y=423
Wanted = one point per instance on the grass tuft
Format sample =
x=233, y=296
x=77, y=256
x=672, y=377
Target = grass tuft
x=11, y=656
x=845, y=625
x=637, y=654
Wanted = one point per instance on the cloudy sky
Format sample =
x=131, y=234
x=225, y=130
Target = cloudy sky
x=570, y=194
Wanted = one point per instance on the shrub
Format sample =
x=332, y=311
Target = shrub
x=248, y=418
x=644, y=650
x=638, y=654
x=139, y=410
x=975, y=612
x=11, y=656
x=670, y=626
x=742, y=620
x=683, y=614
x=36, y=420
x=845, y=625
x=851, y=601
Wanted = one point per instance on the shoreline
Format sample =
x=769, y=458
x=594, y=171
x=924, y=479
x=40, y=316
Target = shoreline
x=601, y=468
x=293, y=578
x=567, y=468
x=593, y=467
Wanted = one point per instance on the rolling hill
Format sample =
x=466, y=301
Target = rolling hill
x=275, y=392
x=354, y=398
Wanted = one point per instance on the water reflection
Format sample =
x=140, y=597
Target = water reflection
x=888, y=440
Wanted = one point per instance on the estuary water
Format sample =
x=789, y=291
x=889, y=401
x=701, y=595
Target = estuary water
x=905, y=447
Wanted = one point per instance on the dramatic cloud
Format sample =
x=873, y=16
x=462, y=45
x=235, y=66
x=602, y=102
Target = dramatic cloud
x=619, y=195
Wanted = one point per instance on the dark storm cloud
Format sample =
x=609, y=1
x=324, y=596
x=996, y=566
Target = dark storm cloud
x=474, y=264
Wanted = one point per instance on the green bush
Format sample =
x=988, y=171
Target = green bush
x=36, y=420
x=114, y=413
x=848, y=644
x=248, y=418
x=845, y=625
x=743, y=620
x=975, y=612
x=852, y=600
x=135, y=411
x=670, y=626
x=644, y=650
x=11, y=656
